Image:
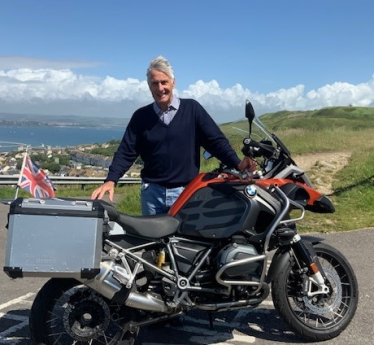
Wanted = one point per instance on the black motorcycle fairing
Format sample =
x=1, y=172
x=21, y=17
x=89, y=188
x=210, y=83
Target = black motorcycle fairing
x=300, y=195
x=296, y=193
x=322, y=205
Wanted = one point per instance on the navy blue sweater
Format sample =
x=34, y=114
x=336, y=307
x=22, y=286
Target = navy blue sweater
x=171, y=153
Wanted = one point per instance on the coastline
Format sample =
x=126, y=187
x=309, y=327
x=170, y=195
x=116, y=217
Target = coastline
x=56, y=136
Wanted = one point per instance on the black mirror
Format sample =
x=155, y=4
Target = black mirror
x=250, y=115
x=249, y=112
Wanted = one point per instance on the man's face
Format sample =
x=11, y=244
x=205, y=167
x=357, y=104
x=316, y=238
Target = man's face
x=161, y=86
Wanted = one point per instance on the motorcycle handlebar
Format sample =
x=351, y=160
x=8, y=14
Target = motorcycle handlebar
x=243, y=175
x=252, y=148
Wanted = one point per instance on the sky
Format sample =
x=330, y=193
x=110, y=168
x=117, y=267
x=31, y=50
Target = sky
x=89, y=57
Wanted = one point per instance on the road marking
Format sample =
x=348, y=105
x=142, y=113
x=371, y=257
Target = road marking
x=14, y=340
x=17, y=300
x=207, y=336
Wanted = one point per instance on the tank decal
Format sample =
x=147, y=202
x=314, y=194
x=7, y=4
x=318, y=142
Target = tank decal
x=219, y=208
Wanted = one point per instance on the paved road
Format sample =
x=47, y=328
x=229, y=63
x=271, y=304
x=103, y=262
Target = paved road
x=257, y=326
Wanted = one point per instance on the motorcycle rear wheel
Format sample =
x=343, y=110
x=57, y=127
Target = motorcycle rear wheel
x=321, y=317
x=66, y=312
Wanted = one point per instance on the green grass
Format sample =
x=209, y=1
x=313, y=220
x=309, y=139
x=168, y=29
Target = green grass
x=353, y=198
x=130, y=202
x=328, y=129
x=325, y=130
x=127, y=197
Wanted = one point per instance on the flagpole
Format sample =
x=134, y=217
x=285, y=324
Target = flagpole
x=21, y=172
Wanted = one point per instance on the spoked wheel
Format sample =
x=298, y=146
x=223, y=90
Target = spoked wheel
x=66, y=312
x=320, y=316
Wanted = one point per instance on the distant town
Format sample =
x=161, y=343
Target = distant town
x=43, y=124
x=68, y=161
x=11, y=119
x=82, y=160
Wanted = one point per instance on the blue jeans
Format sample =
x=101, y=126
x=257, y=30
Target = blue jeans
x=156, y=199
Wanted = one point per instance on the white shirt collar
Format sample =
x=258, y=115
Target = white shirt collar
x=174, y=105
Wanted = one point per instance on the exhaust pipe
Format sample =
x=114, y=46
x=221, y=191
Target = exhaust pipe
x=107, y=285
x=147, y=301
x=226, y=306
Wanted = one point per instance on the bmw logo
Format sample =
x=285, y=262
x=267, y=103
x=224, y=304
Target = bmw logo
x=250, y=191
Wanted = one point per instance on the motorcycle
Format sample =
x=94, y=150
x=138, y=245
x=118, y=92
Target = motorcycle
x=229, y=242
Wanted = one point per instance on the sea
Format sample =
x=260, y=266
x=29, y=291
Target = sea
x=12, y=136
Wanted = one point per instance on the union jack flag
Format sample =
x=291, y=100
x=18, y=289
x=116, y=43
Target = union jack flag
x=35, y=181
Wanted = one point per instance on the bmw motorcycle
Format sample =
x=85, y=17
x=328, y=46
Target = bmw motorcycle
x=229, y=242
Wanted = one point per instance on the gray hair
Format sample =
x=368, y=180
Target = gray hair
x=162, y=65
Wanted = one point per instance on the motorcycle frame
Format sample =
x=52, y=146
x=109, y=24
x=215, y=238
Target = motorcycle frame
x=185, y=284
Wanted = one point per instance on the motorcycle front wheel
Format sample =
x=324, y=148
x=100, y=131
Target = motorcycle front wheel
x=66, y=312
x=320, y=317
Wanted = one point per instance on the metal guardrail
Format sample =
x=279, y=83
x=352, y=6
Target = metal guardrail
x=12, y=180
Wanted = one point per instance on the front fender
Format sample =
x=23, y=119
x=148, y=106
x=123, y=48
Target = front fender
x=280, y=260
x=283, y=255
x=312, y=239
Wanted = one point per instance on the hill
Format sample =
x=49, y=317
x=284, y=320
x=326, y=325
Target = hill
x=335, y=146
x=324, y=130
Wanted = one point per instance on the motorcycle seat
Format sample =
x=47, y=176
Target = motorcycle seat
x=153, y=227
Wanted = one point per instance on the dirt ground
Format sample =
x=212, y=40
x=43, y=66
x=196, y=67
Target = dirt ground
x=321, y=167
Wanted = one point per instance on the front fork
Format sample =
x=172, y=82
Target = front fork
x=315, y=283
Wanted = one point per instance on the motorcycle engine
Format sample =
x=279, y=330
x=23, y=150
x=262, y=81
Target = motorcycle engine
x=235, y=253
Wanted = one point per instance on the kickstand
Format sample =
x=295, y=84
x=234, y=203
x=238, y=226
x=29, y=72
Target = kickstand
x=210, y=320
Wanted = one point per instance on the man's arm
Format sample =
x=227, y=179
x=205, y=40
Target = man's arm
x=123, y=159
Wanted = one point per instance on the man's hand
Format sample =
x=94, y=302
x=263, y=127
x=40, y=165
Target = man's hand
x=100, y=192
x=247, y=164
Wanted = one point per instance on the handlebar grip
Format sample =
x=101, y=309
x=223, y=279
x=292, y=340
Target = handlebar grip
x=252, y=148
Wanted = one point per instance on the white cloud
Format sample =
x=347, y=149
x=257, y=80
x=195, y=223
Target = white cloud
x=129, y=89
x=64, y=84
x=343, y=94
x=55, y=91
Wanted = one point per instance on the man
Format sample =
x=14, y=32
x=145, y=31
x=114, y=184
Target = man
x=167, y=134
